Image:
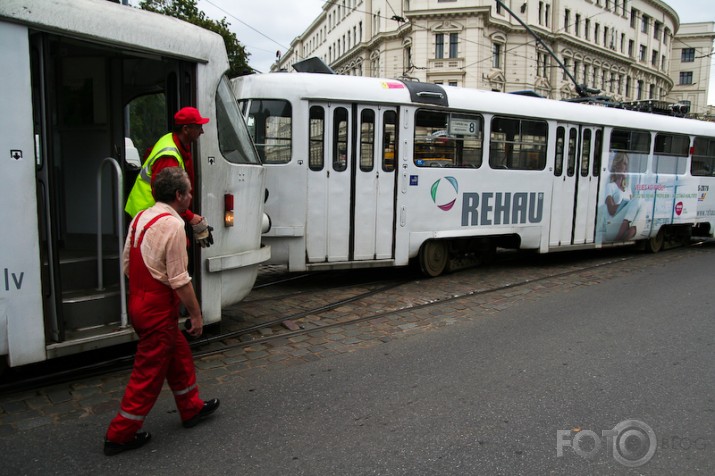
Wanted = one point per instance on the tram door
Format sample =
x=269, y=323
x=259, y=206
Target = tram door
x=351, y=180
x=373, y=205
x=565, y=183
x=328, y=212
x=587, y=185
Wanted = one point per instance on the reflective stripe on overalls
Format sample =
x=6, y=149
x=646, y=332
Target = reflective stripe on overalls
x=162, y=352
x=140, y=197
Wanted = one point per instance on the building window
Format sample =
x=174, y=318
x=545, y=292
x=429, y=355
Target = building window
x=634, y=17
x=587, y=29
x=566, y=62
x=656, y=29
x=644, y=23
x=496, y=55
x=439, y=45
x=631, y=46
x=686, y=77
x=453, y=43
x=542, y=64
x=547, y=14
x=567, y=20
x=597, y=34
x=687, y=55
x=643, y=53
x=654, y=58
x=577, y=25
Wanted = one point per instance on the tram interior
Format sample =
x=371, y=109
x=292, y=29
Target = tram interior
x=89, y=103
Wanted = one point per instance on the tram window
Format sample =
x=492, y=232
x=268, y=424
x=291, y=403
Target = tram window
x=560, y=142
x=270, y=125
x=703, y=157
x=585, y=152
x=146, y=120
x=389, y=140
x=448, y=139
x=597, y=152
x=316, y=138
x=636, y=144
x=670, y=153
x=367, y=140
x=573, y=148
x=340, y=139
x=517, y=144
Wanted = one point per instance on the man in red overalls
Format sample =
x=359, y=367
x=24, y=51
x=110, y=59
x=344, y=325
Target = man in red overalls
x=155, y=260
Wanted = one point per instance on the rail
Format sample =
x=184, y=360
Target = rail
x=120, y=233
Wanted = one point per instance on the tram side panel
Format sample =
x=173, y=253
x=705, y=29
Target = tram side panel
x=448, y=202
x=21, y=326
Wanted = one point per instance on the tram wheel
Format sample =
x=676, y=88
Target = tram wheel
x=434, y=256
x=655, y=244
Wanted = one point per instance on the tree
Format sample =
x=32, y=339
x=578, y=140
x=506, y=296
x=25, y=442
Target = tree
x=188, y=11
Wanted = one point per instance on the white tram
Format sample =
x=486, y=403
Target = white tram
x=87, y=87
x=375, y=172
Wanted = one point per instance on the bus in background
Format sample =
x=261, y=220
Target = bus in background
x=88, y=86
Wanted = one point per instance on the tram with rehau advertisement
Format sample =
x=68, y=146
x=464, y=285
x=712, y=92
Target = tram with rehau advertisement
x=377, y=172
x=87, y=84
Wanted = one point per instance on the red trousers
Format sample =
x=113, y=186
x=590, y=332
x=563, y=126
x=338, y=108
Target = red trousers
x=162, y=353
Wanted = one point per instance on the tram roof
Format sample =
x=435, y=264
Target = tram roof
x=390, y=91
x=114, y=24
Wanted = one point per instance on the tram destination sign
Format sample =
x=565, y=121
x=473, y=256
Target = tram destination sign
x=463, y=126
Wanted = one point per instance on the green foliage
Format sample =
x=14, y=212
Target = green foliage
x=188, y=11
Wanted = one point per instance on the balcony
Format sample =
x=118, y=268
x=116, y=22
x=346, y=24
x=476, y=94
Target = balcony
x=445, y=65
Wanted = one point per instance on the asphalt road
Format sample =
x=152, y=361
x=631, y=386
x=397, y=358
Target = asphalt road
x=602, y=375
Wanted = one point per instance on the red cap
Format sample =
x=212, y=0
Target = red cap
x=189, y=115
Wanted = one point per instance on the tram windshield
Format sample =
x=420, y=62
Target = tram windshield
x=235, y=143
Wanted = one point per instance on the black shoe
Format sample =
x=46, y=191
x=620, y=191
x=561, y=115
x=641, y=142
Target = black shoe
x=140, y=439
x=210, y=406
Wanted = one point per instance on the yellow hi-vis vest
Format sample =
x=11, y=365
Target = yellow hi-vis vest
x=140, y=198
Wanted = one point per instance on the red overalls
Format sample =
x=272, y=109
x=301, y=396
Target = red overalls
x=162, y=351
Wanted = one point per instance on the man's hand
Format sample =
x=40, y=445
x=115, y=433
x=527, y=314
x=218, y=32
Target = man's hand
x=202, y=232
x=194, y=326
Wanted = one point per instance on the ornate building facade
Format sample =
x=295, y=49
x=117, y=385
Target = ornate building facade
x=628, y=50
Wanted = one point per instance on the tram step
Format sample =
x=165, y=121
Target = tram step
x=80, y=271
x=91, y=308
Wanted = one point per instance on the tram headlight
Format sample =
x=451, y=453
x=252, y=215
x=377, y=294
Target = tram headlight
x=228, y=209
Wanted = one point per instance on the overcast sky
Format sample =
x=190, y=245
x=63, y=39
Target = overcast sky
x=268, y=26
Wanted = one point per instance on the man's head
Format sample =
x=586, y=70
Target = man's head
x=172, y=186
x=188, y=124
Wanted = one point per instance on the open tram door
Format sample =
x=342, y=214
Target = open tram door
x=575, y=185
x=95, y=110
x=351, y=183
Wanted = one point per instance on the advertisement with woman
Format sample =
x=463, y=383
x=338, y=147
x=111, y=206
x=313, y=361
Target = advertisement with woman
x=635, y=202
x=620, y=215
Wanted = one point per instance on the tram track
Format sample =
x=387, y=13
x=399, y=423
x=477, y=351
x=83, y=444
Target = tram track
x=340, y=323
x=312, y=320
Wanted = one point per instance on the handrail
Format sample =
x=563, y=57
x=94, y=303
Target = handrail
x=120, y=234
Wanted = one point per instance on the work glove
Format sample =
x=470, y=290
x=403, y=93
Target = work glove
x=202, y=233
